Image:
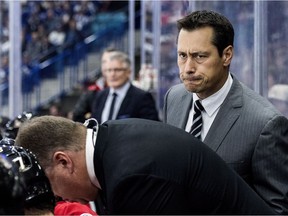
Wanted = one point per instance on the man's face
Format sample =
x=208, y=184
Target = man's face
x=117, y=73
x=201, y=68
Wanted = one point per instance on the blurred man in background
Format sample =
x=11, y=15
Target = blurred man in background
x=122, y=99
x=83, y=107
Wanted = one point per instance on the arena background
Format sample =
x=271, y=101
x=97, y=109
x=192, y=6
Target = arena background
x=40, y=70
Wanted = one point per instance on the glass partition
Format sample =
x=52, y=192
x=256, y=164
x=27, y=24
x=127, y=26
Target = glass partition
x=260, y=58
x=277, y=55
x=260, y=46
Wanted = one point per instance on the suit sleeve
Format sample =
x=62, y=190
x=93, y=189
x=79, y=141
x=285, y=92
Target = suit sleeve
x=145, y=194
x=270, y=164
x=165, y=106
x=83, y=106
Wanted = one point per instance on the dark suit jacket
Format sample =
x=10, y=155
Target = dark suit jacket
x=147, y=167
x=84, y=105
x=136, y=104
x=249, y=134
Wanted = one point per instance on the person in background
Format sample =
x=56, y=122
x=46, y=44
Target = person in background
x=242, y=127
x=136, y=166
x=83, y=106
x=122, y=99
x=55, y=109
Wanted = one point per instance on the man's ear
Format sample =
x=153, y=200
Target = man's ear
x=63, y=160
x=227, y=55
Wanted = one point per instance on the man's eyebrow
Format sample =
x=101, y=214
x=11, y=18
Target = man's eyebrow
x=198, y=52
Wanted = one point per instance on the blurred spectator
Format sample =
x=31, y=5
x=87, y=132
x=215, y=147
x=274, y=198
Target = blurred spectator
x=34, y=46
x=67, y=10
x=57, y=36
x=33, y=21
x=73, y=35
x=27, y=79
x=42, y=32
x=52, y=20
x=47, y=50
x=55, y=110
x=87, y=7
x=81, y=18
x=4, y=69
x=130, y=101
x=5, y=44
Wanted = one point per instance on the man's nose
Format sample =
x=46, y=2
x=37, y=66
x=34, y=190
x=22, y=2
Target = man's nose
x=190, y=65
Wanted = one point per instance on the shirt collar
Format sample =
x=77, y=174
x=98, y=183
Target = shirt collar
x=213, y=102
x=122, y=90
x=91, y=137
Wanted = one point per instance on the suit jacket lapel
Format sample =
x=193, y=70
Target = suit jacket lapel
x=226, y=117
x=183, y=112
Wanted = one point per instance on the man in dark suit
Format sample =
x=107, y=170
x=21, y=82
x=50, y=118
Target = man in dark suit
x=136, y=166
x=242, y=127
x=130, y=101
x=84, y=104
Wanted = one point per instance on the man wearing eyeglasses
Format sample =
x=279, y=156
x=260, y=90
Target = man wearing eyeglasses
x=122, y=99
x=237, y=123
x=83, y=107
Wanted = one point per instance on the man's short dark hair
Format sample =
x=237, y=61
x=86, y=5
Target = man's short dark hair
x=222, y=28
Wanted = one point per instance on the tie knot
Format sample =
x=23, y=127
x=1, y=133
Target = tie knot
x=114, y=94
x=198, y=105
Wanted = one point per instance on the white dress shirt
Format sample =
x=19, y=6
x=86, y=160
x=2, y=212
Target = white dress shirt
x=121, y=93
x=211, y=106
x=91, y=137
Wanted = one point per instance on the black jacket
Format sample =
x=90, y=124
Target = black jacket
x=136, y=104
x=148, y=167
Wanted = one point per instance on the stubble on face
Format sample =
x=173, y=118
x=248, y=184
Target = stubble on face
x=201, y=78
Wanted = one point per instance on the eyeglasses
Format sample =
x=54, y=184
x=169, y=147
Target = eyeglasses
x=116, y=70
